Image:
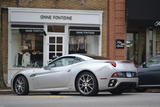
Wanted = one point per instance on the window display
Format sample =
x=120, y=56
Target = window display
x=26, y=48
x=84, y=44
x=84, y=40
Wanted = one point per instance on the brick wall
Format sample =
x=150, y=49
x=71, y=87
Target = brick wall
x=4, y=42
x=116, y=28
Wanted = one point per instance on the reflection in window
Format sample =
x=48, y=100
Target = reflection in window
x=154, y=61
x=65, y=61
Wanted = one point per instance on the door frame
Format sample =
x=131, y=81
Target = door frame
x=46, y=42
x=150, y=37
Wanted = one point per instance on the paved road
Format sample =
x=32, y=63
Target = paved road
x=75, y=100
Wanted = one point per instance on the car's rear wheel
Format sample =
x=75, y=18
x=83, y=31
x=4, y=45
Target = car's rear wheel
x=21, y=86
x=86, y=84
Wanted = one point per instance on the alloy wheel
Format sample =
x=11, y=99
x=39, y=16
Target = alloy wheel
x=87, y=84
x=21, y=86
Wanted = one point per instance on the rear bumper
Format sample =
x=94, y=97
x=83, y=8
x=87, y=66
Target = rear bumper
x=126, y=85
x=122, y=83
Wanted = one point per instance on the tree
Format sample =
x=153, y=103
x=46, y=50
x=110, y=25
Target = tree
x=2, y=83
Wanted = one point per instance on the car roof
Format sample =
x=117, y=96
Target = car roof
x=88, y=57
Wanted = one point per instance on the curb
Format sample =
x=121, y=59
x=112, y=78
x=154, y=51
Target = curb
x=153, y=90
x=5, y=91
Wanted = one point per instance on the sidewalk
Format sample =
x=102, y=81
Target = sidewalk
x=5, y=91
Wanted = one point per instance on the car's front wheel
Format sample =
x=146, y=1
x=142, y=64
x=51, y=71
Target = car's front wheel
x=21, y=86
x=86, y=84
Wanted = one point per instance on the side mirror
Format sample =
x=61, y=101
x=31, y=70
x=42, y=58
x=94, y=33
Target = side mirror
x=144, y=65
x=47, y=68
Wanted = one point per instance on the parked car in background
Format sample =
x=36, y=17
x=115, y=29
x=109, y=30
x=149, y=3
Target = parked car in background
x=149, y=74
x=77, y=73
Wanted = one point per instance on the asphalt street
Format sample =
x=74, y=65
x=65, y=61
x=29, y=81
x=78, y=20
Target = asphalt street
x=75, y=100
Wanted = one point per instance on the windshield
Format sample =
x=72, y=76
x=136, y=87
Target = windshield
x=154, y=61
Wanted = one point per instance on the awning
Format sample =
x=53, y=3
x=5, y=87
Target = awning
x=143, y=13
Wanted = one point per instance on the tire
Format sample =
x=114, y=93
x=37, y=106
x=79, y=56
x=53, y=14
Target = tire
x=54, y=93
x=141, y=89
x=86, y=84
x=21, y=86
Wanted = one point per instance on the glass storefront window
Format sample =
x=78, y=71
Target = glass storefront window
x=56, y=28
x=158, y=43
x=84, y=44
x=26, y=48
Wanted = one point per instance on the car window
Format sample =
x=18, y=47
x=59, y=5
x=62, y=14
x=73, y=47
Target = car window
x=154, y=61
x=65, y=61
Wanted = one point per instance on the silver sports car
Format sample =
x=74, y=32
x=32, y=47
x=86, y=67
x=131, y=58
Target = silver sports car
x=75, y=72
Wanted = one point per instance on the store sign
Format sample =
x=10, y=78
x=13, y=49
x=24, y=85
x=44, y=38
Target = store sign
x=84, y=32
x=55, y=16
x=157, y=23
x=120, y=44
x=38, y=31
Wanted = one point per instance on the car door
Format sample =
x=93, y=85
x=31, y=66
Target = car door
x=54, y=78
x=150, y=74
x=155, y=74
x=144, y=75
x=58, y=74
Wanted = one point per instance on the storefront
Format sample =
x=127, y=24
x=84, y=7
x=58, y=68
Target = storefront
x=143, y=30
x=37, y=36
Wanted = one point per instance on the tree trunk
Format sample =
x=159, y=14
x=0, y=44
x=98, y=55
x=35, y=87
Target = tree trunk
x=2, y=83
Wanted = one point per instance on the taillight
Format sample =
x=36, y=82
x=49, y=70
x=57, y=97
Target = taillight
x=115, y=75
x=112, y=63
x=125, y=75
x=119, y=74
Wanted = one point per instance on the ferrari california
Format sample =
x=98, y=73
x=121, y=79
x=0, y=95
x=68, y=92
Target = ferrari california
x=74, y=72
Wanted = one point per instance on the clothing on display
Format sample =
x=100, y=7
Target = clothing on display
x=19, y=59
x=37, y=59
x=29, y=59
x=26, y=59
x=81, y=44
x=77, y=44
x=72, y=45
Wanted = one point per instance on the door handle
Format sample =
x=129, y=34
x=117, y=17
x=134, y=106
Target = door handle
x=69, y=70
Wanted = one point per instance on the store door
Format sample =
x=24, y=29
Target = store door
x=55, y=46
x=150, y=43
x=136, y=47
